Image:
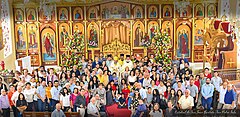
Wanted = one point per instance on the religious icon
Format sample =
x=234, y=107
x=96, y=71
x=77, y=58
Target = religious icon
x=63, y=35
x=115, y=10
x=199, y=32
x=153, y=12
x=183, y=43
x=78, y=28
x=184, y=13
x=19, y=15
x=153, y=29
x=167, y=27
x=31, y=15
x=139, y=14
x=211, y=10
x=48, y=45
x=32, y=36
x=105, y=13
x=21, y=40
x=138, y=36
x=199, y=11
x=78, y=15
x=93, y=14
x=167, y=13
x=63, y=15
x=93, y=36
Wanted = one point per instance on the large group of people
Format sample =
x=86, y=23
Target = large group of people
x=141, y=85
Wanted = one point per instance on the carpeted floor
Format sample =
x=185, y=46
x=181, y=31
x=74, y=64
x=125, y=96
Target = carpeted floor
x=113, y=111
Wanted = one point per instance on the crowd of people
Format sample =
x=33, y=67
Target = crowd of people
x=141, y=85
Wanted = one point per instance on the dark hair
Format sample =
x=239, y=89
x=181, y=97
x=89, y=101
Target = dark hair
x=55, y=81
x=62, y=77
x=206, y=68
x=22, y=95
x=180, y=91
x=50, y=82
x=28, y=83
x=77, y=90
x=63, y=93
x=157, y=92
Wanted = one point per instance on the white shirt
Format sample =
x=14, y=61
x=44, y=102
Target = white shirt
x=15, y=96
x=92, y=109
x=186, y=102
x=162, y=89
x=65, y=100
x=222, y=93
x=132, y=78
x=146, y=82
x=27, y=78
x=29, y=94
x=143, y=93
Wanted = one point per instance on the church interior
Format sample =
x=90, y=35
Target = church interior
x=58, y=33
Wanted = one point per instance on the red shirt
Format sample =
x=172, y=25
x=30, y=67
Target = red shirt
x=197, y=83
x=125, y=91
x=208, y=76
x=113, y=87
x=166, y=94
x=9, y=97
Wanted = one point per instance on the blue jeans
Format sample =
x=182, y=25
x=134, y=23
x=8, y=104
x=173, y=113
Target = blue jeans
x=54, y=102
x=41, y=105
x=207, y=102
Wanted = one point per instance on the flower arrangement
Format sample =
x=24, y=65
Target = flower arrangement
x=162, y=44
x=74, y=50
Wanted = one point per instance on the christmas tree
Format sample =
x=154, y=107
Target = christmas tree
x=74, y=50
x=162, y=44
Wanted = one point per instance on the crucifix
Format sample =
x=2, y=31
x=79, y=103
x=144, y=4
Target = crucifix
x=230, y=62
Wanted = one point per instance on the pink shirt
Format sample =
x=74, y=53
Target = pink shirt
x=73, y=98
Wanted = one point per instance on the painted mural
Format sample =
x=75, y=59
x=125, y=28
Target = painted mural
x=129, y=23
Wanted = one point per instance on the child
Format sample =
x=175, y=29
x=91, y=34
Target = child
x=122, y=102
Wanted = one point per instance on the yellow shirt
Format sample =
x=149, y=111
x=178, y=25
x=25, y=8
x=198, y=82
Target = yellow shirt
x=48, y=92
x=100, y=78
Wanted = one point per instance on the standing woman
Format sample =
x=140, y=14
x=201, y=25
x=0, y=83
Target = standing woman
x=35, y=75
x=73, y=98
x=21, y=104
x=109, y=95
x=132, y=78
x=63, y=79
x=156, y=97
x=49, y=96
x=65, y=100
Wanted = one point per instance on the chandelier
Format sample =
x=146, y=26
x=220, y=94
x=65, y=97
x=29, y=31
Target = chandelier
x=181, y=5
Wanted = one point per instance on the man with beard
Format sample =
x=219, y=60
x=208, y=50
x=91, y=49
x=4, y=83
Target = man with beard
x=121, y=60
x=115, y=66
x=207, y=94
x=127, y=63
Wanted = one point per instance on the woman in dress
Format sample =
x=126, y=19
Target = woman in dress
x=156, y=97
x=49, y=96
x=109, y=95
x=172, y=97
x=132, y=78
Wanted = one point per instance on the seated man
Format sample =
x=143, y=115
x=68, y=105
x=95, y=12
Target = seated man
x=141, y=109
x=58, y=112
x=92, y=109
x=186, y=101
x=122, y=102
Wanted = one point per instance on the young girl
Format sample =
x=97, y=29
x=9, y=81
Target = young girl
x=65, y=100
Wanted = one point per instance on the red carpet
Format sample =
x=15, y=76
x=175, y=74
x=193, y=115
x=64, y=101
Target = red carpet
x=113, y=111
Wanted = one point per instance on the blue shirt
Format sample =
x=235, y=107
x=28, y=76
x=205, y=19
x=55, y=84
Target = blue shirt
x=141, y=108
x=207, y=90
x=41, y=91
x=115, y=78
x=229, y=97
x=55, y=92
x=72, y=87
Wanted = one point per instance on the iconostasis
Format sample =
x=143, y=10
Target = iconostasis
x=111, y=27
